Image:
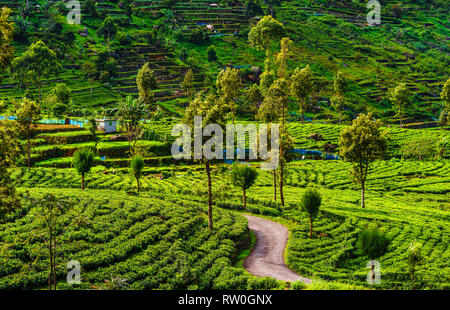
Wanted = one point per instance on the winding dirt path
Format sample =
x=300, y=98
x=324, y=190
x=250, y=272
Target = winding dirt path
x=267, y=257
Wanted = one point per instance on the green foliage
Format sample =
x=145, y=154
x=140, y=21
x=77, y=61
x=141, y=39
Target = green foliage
x=188, y=84
x=6, y=37
x=37, y=62
x=338, y=99
x=83, y=160
x=414, y=258
x=10, y=150
x=146, y=82
x=267, y=30
x=361, y=144
x=310, y=203
x=372, y=243
x=212, y=55
x=28, y=113
x=229, y=85
x=400, y=99
x=302, y=87
x=107, y=29
x=114, y=236
x=136, y=168
x=420, y=147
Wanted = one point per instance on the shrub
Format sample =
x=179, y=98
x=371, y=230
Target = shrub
x=372, y=243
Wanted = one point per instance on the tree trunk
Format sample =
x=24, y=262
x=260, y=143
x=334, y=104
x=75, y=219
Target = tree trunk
x=50, y=248
x=82, y=181
x=54, y=263
x=208, y=173
x=29, y=154
x=363, y=192
x=244, y=199
x=281, y=185
x=373, y=273
x=138, y=186
x=310, y=227
x=303, y=117
x=274, y=185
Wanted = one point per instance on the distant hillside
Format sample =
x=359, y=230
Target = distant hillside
x=411, y=45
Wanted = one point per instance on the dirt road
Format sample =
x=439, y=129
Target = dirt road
x=267, y=257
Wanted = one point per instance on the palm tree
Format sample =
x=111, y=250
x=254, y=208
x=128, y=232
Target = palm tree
x=130, y=112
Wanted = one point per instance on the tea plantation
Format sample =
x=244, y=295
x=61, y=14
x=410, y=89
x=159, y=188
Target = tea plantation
x=87, y=174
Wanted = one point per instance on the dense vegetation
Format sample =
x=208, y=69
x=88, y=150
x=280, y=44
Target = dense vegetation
x=364, y=171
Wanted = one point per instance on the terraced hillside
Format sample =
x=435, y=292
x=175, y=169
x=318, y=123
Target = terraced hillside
x=145, y=243
x=409, y=200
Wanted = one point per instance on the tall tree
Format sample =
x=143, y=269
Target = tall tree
x=6, y=37
x=107, y=29
x=136, y=169
x=83, y=160
x=338, y=99
x=310, y=203
x=400, y=100
x=229, y=86
x=188, y=84
x=274, y=108
x=255, y=97
x=244, y=177
x=28, y=113
x=361, y=144
x=90, y=73
x=282, y=58
x=146, y=82
x=130, y=112
x=38, y=62
x=60, y=98
x=212, y=111
x=10, y=150
x=267, y=31
x=302, y=87
x=445, y=95
x=51, y=211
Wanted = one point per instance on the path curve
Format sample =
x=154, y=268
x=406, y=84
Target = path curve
x=267, y=257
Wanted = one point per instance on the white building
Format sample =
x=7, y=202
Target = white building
x=107, y=125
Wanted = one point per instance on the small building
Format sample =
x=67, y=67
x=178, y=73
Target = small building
x=107, y=125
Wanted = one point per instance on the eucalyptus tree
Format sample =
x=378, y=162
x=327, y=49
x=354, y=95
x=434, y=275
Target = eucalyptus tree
x=188, y=84
x=35, y=64
x=28, y=113
x=338, y=98
x=146, y=82
x=400, y=100
x=361, y=144
x=302, y=87
x=229, y=87
x=244, y=177
x=10, y=151
x=6, y=37
x=213, y=112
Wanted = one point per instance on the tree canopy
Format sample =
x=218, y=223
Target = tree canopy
x=361, y=144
